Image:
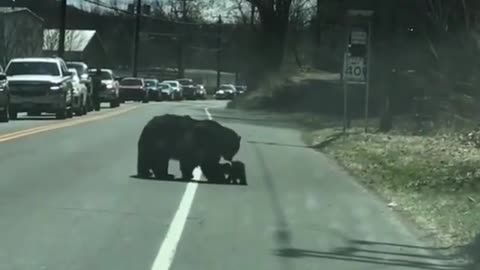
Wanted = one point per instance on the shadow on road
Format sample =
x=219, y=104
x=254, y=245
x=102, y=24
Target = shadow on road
x=282, y=122
x=281, y=144
x=51, y=116
x=471, y=252
x=272, y=119
x=283, y=234
x=388, y=254
x=180, y=180
x=36, y=118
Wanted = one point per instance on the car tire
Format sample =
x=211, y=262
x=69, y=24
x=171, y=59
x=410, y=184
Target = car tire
x=12, y=114
x=5, y=115
x=62, y=114
x=70, y=113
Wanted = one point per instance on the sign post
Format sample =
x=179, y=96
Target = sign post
x=357, y=57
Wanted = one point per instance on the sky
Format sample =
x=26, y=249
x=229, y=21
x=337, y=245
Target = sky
x=222, y=7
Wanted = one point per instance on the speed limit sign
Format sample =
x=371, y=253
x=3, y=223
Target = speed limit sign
x=354, y=69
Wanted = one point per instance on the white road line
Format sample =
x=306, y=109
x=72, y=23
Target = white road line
x=208, y=114
x=166, y=254
x=167, y=250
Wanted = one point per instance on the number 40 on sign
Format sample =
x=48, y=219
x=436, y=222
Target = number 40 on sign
x=355, y=69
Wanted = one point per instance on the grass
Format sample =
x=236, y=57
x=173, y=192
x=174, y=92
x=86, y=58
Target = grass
x=434, y=180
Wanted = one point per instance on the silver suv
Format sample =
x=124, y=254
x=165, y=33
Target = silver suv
x=39, y=85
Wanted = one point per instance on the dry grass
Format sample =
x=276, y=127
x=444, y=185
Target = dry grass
x=434, y=180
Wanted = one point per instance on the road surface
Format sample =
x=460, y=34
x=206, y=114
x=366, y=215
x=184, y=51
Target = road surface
x=68, y=201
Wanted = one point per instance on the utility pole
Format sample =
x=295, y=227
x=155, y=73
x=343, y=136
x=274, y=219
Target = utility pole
x=252, y=14
x=63, y=18
x=219, y=47
x=136, y=39
x=184, y=10
x=181, y=40
x=317, y=33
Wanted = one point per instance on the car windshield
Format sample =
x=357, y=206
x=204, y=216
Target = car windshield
x=226, y=88
x=131, y=82
x=33, y=68
x=150, y=83
x=80, y=68
x=163, y=86
x=185, y=82
x=104, y=75
x=172, y=84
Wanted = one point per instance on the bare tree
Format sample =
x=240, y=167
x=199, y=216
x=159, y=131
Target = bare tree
x=21, y=38
x=73, y=39
x=189, y=10
x=158, y=8
x=114, y=4
x=240, y=12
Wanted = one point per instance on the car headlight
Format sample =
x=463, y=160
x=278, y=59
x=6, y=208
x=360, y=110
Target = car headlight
x=109, y=86
x=84, y=77
x=55, y=87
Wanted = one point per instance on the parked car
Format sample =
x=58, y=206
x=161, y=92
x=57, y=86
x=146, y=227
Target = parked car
x=177, y=90
x=225, y=91
x=110, y=89
x=188, y=88
x=241, y=89
x=166, y=91
x=200, y=92
x=153, y=90
x=4, y=97
x=39, y=85
x=80, y=94
x=85, y=78
x=132, y=88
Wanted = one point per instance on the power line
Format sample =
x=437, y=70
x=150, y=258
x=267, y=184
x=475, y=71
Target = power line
x=104, y=5
x=100, y=4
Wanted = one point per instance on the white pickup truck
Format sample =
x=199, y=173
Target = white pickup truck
x=40, y=85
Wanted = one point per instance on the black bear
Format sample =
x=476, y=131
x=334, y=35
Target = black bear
x=192, y=142
x=237, y=173
x=233, y=172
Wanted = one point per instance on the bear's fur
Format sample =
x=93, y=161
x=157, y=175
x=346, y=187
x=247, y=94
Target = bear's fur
x=192, y=142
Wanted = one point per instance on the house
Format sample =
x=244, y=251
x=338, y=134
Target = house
x=80, y=45
x=21, y=33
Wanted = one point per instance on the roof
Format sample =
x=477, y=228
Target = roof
x=133, y=78
x=102, y=70
x=10, y=10
x=74, y=71
x=75, y=40
x=37, y=59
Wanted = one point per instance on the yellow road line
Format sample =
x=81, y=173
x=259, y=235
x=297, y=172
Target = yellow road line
x=36, y=130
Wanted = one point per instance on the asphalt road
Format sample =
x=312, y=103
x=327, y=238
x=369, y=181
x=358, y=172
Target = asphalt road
x=68, y=201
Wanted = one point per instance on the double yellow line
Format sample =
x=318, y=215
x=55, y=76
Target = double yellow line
x=63, y=124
